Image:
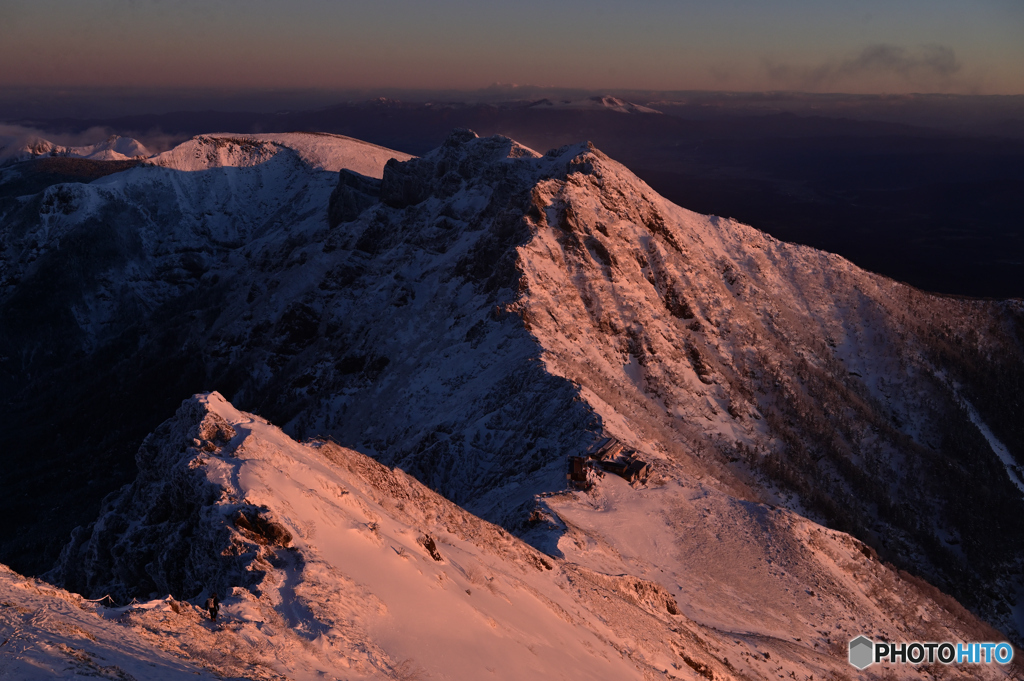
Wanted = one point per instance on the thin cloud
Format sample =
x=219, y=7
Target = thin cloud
x=924, y=68
x=29, y=134
x=15, y=137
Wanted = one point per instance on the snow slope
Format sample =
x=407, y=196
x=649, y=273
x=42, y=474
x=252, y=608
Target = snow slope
x=333, y=566
x=48, y=633
x=348, y=589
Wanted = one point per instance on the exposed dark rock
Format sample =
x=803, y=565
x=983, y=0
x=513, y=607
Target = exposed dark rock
x=428, y=543
x=256, y=526
x=677, y=305
x=165, y=533
x=298, y=327
x=353, y=195
x=406, y=183
x=378, y=236
x=599, y=249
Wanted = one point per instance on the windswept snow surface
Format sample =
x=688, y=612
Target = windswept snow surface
x=323, y=559
x=353, y=591
x=48, y=633
x=319, y=151
x=488, y=606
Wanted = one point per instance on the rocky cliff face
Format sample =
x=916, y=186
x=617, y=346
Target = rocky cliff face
x=477, y=314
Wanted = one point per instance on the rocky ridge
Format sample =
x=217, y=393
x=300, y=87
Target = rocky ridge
x=333, y=566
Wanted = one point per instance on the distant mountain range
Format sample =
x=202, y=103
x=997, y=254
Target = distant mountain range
x=907, y=187
x=114, y=148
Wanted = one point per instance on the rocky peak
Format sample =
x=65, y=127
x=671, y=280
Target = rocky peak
x=181, y=527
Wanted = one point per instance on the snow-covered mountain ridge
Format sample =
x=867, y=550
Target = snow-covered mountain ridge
x=320, y=545
x=726, y=347
x=331, y=565
x=320, y=151
x=477, y=314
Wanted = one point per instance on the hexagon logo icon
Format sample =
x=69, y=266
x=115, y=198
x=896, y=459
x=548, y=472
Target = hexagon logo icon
x=862, y=652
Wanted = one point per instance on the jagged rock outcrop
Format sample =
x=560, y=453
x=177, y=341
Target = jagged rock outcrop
x=462, y=159
x=180, y=528
x=354, y=194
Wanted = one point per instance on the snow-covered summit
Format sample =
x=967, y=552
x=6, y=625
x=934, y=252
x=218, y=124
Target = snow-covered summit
x=779, y=372
x=320, y=151
x=114, y=148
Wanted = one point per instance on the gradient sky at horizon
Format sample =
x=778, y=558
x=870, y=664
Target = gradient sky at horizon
x=743, y=45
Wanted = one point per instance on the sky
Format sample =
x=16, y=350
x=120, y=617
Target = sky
x=940, y=46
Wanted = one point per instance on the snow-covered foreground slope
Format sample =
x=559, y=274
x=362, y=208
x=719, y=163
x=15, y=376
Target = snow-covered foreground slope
x=48, y=633
x=320, y=554
x=333, y=566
